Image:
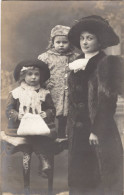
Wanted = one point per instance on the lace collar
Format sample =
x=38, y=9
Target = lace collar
x=25, y=86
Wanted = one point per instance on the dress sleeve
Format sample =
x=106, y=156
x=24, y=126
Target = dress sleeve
x=11, y=105
x=110, y=78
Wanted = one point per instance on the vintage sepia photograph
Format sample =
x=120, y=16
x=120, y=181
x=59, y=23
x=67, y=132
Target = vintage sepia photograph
x=62, y=98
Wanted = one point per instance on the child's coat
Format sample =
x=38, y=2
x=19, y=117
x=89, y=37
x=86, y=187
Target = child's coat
x=58, y=82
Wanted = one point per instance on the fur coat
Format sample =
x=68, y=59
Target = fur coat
x=92, y=103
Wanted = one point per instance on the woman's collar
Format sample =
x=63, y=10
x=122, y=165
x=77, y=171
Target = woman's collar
x=90, y=55
x=81, y=63
x=78, y=64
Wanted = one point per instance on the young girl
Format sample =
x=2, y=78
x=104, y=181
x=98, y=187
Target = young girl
x=31, y=97
x=58, y=56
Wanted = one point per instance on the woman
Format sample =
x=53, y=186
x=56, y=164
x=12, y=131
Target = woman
x=95, y=149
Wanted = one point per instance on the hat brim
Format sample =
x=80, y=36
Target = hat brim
x=101, y=29
x=36, y=63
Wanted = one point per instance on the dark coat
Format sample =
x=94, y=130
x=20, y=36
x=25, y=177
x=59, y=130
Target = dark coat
x=33, y=143
x=12, y=111
x=92, y=104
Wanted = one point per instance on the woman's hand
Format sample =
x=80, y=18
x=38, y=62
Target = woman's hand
x=93, y=139
x=43, y=114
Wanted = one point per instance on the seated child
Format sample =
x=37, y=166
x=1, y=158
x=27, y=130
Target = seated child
x=31, y=97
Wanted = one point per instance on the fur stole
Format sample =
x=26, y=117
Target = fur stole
x=111, y=75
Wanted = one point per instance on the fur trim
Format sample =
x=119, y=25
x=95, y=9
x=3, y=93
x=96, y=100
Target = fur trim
x=111, y=75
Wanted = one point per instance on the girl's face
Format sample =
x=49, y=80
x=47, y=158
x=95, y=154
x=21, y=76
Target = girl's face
x=32, y=77
x=61, y=44
x=89, y=42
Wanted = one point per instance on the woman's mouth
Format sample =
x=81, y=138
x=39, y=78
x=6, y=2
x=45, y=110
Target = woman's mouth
x=85, y=47
x=33, y=81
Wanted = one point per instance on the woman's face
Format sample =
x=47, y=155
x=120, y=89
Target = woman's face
x=32, y=77
x=89, y=42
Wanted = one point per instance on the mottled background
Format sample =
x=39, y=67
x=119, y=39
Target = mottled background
x=25, y=32
x=26, y=26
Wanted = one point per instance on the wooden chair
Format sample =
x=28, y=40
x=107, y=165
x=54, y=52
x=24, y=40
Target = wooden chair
x=60, y=145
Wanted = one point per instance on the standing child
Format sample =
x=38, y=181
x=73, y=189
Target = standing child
x=58, y=56
x=31, y=97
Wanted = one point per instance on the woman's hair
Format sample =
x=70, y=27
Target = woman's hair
x=51, y=44
x=23, y=74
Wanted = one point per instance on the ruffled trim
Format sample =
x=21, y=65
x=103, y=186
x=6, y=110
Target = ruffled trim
x=25, y=86
x=30, y=99
x=79, y=64
x=16, y=93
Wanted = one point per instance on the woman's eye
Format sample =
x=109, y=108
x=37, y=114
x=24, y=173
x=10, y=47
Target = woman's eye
x=90, y=38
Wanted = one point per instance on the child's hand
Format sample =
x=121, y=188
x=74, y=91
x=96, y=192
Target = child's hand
x=43, y=114
x=20, y=116
x=93, y=139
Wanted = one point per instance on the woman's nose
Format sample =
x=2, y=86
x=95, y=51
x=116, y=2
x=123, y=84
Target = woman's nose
x=85, y=41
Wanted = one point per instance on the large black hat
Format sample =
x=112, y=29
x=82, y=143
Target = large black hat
x=96, y=25
x=36, y=63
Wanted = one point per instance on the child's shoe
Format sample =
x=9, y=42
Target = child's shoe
x=46, y=167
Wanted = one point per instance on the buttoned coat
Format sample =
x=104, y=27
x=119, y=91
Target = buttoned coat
x=92, y=104
x=59, y=71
